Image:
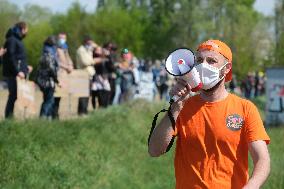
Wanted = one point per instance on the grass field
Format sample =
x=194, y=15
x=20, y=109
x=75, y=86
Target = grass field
x=106, y=150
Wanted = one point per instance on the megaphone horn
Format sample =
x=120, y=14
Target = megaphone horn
x=180, y=63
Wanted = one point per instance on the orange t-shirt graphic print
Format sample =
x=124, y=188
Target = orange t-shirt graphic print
x=212, y=144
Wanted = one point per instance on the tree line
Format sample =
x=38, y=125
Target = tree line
x=151, y=29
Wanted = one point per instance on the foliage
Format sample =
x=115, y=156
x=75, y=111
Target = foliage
x=9, y=14
x=34, y=43
x=151, y=29
x=279, y=34
x=127, y=32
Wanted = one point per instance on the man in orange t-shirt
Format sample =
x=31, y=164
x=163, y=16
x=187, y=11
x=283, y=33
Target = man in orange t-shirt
x=215, y=129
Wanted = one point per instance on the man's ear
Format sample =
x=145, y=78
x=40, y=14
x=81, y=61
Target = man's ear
x=228, y=67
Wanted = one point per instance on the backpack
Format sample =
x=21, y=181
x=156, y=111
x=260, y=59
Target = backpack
x=46, y=75
x=127, y=80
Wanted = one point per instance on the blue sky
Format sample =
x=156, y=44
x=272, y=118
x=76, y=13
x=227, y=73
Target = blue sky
x=264, y=6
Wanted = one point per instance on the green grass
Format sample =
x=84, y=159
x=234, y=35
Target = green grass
x=260, y=103
x=106, y=150
x=276, y=149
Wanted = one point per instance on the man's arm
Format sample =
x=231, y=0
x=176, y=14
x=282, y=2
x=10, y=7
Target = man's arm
x=261, y=160
x=11, y=51
x=70, y=62
x=62, y=60
x=163, y=133
x=84, y=57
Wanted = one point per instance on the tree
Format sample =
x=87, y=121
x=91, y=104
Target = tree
x=34, y=14
x=9, y=14
x=236, y=23
x=120, y=26
x=74, y=24
x=279, y=34
x=34, y=42
x=151, y=29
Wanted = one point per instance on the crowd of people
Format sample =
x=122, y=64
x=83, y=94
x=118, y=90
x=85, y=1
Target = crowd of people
x=252, y=86
x=115, y=76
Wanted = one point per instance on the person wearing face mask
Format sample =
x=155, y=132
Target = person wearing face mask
x=65, y=61
x=86, y=61
x=215, y=130
x=15, y=62
x=65, y=65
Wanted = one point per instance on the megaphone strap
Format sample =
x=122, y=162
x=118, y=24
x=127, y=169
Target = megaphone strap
x=171, y=117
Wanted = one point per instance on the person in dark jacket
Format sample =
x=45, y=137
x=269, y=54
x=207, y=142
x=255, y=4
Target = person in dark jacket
x=100, y=85
x=47, y=76
x=111, y=67
x=15, y=62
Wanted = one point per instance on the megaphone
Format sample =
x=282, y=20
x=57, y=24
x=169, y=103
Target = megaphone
x=180, y=63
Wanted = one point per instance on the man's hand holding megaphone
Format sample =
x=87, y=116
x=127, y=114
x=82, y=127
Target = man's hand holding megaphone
x=180, y=63
x=181, y=90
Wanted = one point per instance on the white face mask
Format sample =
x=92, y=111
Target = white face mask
x=62, y=41
x=89, y=47
x=209, y=75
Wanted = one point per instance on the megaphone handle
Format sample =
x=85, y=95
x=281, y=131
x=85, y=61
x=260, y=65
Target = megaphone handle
x=175, y=98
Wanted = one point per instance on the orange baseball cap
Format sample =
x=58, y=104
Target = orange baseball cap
x=221, y=48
